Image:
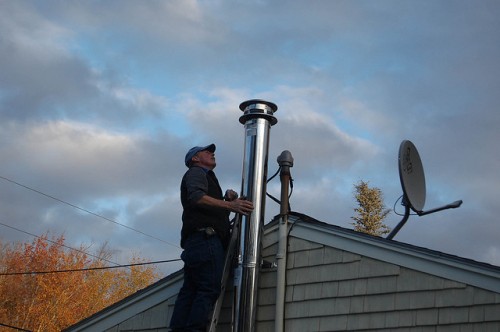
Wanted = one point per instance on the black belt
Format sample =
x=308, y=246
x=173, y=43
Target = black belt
x=209, y=231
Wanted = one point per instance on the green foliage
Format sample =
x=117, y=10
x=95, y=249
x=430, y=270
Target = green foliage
x=371, y=210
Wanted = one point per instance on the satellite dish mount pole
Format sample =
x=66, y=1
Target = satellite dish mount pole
x=403, y=221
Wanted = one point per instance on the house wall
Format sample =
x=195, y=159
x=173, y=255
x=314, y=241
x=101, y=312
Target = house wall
x=331, y=289
x=148, y=310
x=334, y=290
x=154, y=319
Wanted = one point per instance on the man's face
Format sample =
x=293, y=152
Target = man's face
x=205, y=159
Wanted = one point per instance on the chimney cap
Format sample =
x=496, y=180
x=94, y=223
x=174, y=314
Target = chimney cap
x=258, y=108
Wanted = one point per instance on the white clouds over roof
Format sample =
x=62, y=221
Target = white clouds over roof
x=101, y=100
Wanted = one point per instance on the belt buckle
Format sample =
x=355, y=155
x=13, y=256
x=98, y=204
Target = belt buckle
x=209, y=231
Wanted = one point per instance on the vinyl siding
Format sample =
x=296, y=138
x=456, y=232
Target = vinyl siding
x=334, y=290
x=152, y=320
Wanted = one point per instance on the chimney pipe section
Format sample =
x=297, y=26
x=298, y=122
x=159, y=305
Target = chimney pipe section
x=258, y=118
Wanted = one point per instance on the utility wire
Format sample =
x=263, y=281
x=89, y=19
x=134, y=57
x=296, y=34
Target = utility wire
x=81, y=251
x=14, y=328
x=274, y=198
x=398, y=213
x=85, y=210
x=88, y=269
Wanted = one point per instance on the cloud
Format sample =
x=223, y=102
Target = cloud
x=99, y=103
x=84, y=157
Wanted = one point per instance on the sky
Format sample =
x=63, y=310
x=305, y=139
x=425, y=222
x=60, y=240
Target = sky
x=101, y=100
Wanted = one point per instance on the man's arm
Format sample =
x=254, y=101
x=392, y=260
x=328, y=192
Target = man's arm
x=238, y=205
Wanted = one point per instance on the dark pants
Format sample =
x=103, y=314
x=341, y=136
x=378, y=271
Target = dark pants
x=203, y=265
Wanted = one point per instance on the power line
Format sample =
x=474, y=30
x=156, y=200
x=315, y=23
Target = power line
x=62, y=245
x=88, y=269
x=14, y=328
x=85, y=210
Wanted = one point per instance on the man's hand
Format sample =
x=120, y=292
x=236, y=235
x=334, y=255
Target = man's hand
x=230, y=195
x=241, y=205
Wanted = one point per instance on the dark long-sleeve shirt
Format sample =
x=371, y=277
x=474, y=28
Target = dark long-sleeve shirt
x=196, y=183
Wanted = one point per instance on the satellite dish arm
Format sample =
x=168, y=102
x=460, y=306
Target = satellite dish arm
x=396, y=229
x=453, y=205
x=402, y=222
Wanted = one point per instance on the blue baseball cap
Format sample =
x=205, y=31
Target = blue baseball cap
x=195, y=150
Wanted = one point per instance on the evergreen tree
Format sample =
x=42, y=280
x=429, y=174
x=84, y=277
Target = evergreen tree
x=371, y=210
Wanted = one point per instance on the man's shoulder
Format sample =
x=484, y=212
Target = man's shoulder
x=195, y=171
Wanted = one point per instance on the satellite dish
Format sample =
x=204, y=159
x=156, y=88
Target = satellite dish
x=411, y=175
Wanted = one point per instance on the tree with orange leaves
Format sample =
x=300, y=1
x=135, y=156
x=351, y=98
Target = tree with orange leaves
x=53, y=301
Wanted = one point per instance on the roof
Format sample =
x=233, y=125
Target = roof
x=133, y=304
x=441, y=264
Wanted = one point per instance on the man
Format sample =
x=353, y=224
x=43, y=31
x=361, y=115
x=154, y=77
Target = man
x=204, y=236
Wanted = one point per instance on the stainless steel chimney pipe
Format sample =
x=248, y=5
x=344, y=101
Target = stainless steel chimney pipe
x=258, y=117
